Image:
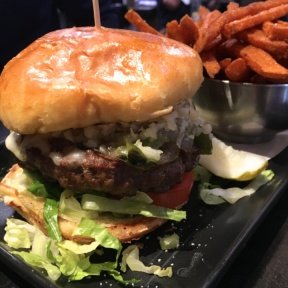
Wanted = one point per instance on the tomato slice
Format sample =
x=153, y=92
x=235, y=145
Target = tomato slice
x=177, y=196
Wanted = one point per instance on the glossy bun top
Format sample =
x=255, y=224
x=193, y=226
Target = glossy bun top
x=76, y=77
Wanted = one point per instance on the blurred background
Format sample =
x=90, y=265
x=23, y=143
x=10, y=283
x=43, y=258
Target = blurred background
x=21, y=22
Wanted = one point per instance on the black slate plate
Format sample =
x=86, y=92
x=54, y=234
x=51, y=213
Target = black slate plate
x=211, y=238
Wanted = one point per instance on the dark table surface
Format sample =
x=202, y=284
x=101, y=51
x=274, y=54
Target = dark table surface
x=262, y=263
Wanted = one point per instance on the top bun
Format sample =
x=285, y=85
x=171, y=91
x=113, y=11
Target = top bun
x=76, y=77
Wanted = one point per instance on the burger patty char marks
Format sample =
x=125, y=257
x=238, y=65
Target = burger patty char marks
x=100, y=172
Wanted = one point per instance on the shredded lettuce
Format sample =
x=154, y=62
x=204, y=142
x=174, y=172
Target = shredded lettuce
x=78, y=248
x=202, y=175
x=38, y=189
x=131, y=259
x=70, y=208
x=50, y=214
x=38, y=254
x=40, y=244
x=139, y=197
x=19, y=234
x=41, y=188
x=71, y=264
x=217, y=195
x=210, y=198
x=69, y=258
x=37, y=261
x=37, y=241
x=169, y=241
x=74, y=259
x=130, y=207
x=102, y=237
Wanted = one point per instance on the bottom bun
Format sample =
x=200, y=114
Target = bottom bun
x=30, y=207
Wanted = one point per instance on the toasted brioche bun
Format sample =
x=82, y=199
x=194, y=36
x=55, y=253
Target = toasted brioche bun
x=31, y=207
x=76, y=77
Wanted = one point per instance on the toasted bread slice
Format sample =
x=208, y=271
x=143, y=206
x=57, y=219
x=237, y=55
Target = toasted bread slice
x=14, y=193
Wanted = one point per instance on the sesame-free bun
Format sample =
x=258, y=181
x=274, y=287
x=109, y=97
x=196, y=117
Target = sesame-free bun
x=77, y=77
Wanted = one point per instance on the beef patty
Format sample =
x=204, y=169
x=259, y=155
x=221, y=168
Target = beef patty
x=101, y=172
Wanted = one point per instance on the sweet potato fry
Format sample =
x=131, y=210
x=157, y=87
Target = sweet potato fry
x=252, y=9
x=284, y=23
x=186, y=31
x=232, y=6
x=202, y=13
x=263, y=63
x=259, y=39
x=189, y=30
x=225, y=62
x=238, y=71
x=210, y=63
x=215, y=29
x=241, y=12
x=230, y=48
x=204, y=28
x=135, y=19
x=234, y=44
x=251, y=21
x=173, y=31
x=212, y=44
x=276, y=31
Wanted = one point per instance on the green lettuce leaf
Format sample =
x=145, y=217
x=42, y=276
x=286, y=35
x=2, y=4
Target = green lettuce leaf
x=41, y=188
x=78, y=248
x=130, y=207
x=101, y=235
x=103, y=238
x=217, y=195
x=37, y=261
x=131, y=259
x=71, y=264
x=70, y=208
x=40, y=244
x=69, y=258
x=19, y=234
x=169, y=241
x=139, y=197
x=50, y=214
x=202, y=175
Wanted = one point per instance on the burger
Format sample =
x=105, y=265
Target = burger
x=103, y=126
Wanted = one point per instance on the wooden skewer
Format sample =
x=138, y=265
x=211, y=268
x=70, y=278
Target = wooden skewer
x=96, y=11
